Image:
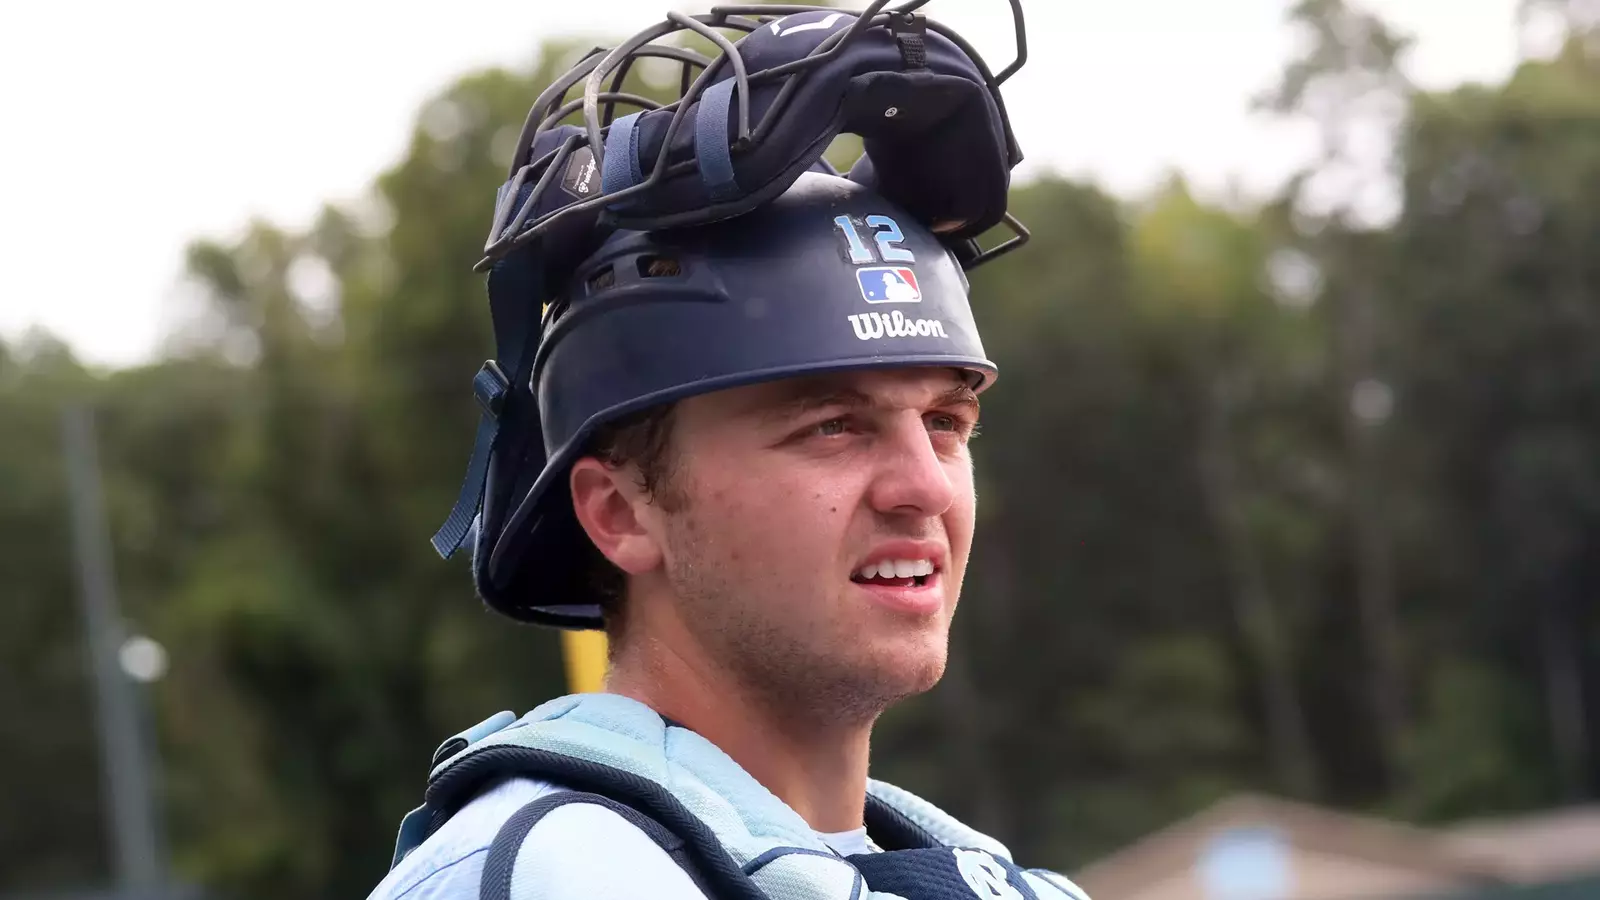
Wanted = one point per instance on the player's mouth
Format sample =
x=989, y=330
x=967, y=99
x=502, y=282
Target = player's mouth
x=899, y=573
x=904, y=576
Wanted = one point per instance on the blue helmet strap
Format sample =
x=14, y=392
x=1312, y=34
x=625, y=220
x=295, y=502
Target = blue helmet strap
x=622, y=169
x=502, y=387
x=711, y=142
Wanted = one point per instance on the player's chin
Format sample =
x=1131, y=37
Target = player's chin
x=911, y=659
x=916, y=674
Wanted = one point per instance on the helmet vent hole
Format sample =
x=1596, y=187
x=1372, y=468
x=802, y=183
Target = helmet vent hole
x=659, y=267
x=601, y=280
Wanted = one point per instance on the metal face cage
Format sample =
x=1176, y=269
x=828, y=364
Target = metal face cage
x=512, y=228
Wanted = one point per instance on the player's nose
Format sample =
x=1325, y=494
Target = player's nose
x=910, y=477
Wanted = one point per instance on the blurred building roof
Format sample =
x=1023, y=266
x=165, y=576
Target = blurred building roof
x=1531, y=848
x=1256, y=846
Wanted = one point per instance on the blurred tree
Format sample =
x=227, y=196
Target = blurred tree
x=1348, y=82
x=1497, y=294
x=1201, y=273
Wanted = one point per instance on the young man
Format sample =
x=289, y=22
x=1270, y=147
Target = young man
x=752, y=466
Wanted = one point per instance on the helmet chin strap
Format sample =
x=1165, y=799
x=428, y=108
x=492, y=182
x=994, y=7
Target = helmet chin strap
x=509, y=413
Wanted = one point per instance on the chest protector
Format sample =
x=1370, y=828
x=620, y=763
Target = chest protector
x=734, y=838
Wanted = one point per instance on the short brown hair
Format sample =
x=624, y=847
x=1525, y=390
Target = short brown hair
x=642, y=439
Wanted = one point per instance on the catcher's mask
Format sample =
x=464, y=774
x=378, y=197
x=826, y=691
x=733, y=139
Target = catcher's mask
x=706, y=244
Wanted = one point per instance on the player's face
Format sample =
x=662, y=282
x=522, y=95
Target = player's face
x=828, y=522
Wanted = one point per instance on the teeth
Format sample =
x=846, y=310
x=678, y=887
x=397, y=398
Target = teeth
x=896, y=568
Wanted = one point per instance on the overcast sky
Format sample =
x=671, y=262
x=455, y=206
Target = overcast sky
x=133, y=128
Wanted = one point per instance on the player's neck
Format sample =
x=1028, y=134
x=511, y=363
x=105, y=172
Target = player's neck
x=816, y=766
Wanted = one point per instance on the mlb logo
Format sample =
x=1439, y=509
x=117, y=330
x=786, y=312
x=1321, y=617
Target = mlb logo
x=889, y=284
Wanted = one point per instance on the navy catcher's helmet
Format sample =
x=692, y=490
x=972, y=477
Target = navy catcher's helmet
x=734, y=260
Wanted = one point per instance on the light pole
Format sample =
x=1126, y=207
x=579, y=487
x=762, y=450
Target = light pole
x=115, y=660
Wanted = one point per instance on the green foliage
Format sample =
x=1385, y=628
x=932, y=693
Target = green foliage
x=1165, y=599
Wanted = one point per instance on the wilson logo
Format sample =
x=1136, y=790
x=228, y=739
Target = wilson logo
x=871, y=326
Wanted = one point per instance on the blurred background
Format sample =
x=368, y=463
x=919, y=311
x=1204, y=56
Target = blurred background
x=1286, y=578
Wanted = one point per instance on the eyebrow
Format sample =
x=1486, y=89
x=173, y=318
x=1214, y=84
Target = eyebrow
x=960, y=395
x=800, y=404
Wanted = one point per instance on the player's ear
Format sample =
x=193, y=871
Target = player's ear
x=612, y=510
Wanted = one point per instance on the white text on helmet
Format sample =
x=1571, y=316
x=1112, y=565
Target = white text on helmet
x=871, y=326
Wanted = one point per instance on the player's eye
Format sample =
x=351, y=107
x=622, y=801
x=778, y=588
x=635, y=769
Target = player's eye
x=951, y=423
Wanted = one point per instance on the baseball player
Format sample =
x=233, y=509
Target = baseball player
x=730, y=422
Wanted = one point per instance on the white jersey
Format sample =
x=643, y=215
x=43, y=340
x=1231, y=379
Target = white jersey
x=579, y=850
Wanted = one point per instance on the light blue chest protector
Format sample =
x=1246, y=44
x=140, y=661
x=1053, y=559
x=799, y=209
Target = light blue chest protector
x=734, y=837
